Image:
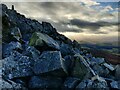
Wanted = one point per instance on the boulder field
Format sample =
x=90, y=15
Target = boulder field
x=36, y=56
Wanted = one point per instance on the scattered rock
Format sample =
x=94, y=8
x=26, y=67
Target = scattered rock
x=50, y=63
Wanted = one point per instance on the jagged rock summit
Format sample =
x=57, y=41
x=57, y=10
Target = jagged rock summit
x=36, y=56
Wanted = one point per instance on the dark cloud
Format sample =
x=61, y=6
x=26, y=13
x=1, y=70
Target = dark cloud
x=93, y=26
x=100, y=32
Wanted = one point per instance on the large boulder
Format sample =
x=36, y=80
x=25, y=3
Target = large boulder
x=45, y=83
x=50, y=63
x=17, y=66
x=79, y=69
x=43, y=40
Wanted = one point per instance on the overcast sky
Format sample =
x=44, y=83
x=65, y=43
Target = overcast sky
x=83, y=21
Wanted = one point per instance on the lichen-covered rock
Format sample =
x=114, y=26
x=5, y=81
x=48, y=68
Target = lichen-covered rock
x=45, y=82
x=50, y=63
x=16, y=66
x=41, y=40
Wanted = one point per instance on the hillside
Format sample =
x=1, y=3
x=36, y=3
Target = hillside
x=36, y=56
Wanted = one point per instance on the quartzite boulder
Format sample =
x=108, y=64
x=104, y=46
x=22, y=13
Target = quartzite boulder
x=45, y=82
x=16, y=66
x=50, y=63
x=41, y=40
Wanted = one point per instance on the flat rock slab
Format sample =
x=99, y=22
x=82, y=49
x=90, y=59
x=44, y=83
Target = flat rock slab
x=50, y=63
x=45, y=82
x=40, y=39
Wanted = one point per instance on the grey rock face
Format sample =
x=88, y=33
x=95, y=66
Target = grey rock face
x=45, y=82
x=71, y=82
x=50, y=63
x=17, y=66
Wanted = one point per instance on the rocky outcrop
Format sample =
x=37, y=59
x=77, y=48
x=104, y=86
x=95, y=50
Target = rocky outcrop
x=35, y=55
